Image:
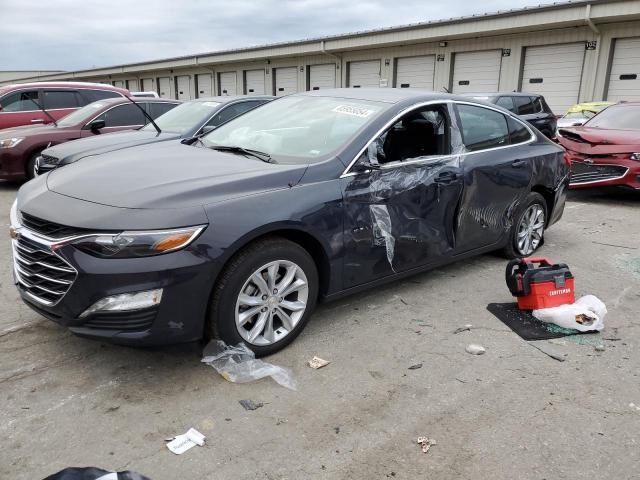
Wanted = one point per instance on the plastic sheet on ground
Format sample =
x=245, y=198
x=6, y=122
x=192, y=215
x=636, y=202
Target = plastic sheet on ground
x=238, y=364
x=585, y=315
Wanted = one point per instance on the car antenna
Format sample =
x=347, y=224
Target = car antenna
x=148, y=117
x=45, y=112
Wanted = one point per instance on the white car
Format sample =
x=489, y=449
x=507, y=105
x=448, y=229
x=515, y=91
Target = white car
x=145, y=94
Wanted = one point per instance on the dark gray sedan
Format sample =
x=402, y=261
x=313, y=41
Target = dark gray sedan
x=192, y=118
x=309, y=197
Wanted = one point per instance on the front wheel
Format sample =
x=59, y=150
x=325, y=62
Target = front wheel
x=264, y=296
x=528, y=229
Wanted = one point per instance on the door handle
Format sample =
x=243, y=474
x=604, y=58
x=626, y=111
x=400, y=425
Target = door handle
x=446, y=178
x=518, y=163
x=37, y=120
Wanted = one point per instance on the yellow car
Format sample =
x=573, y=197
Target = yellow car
x=581, y=112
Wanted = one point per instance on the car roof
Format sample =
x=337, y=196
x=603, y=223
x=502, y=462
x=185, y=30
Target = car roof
x=99, y=86
x=388, y=95
x=232, y=98
x=500, y=94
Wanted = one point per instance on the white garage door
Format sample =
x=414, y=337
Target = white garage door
x=286, y=80
x=364, y=74
x=322, y=76
x=554, y=71
x=118, y=83
x=164, y=86
x=183, y=85
x=147, y=85
x=415, y=72
x=227, y=83
x=624, y=80
x=205, y=85
x=254, y=82
x=477, y=71
x=132, y=85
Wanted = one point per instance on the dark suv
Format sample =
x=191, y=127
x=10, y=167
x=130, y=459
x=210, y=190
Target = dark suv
x=529, y=106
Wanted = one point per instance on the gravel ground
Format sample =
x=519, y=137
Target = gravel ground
x=513, y=412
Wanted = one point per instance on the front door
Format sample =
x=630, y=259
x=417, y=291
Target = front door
x=401, y=198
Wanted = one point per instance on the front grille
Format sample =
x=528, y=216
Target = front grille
x=587, y=172
x=48, y=160
x=49, y=229
x=43, y=275
x=127, y=321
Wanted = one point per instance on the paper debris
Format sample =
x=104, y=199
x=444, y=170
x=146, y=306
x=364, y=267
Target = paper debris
x=317, y=362
x=184, y=442
x=426, y=443
x=475, y=349
x=416, y=366
x=466, y=328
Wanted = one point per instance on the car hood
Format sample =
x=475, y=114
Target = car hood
x=27, y=130
x=73, y=151
x=169, y=175
x=600, y=140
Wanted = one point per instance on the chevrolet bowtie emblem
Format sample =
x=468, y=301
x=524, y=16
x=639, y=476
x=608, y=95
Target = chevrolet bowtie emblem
x=14, y=233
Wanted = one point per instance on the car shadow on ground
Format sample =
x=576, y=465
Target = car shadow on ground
x=605, y=195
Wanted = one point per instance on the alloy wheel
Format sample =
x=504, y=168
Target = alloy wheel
x=531, y=229
x=271, y=302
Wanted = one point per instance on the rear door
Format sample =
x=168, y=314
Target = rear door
x=60, y=102
x=497, y=172
x=402, y=215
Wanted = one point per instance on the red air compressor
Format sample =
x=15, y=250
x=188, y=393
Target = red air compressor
x=537, y=283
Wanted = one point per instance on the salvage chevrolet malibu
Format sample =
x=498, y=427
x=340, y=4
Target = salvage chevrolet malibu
x=316, y=195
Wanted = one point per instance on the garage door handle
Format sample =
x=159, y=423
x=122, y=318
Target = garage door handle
x=518, y=163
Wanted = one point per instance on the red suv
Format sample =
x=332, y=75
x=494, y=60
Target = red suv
x=23, y=104
x=20, y=147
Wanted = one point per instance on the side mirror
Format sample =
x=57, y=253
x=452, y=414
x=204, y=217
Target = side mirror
x=96, y=125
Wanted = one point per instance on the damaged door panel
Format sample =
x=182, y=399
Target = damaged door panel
x=400, y=202
x=496, y=176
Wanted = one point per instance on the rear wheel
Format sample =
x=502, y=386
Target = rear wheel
x=264, y=296
x=528, y=229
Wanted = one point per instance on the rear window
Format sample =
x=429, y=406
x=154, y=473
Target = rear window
x=95, y=95
x=506, y=102
x=482, y=128
x=524, y=105
x=59, y=99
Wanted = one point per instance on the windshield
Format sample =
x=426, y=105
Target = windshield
x=297, y=129
x=80, y=115
x=184, y=117
x=585, y=114
x=623, y=117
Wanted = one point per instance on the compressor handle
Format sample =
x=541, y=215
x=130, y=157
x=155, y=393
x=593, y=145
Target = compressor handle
x=543, y=261
x=512, y=281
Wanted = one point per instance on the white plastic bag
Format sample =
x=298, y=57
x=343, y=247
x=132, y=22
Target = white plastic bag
x=238, y=364
x=585, y=315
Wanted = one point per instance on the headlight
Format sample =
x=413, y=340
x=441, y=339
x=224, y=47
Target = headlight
x=138, y=244
x=635, y=156
x=10, y=142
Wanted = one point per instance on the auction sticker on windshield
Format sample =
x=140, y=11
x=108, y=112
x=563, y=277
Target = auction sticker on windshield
x=351, y=110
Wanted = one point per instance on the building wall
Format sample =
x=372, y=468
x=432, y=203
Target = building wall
x=508, y=32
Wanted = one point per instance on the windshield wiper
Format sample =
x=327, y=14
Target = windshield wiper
x=265, y=157
x=147, y=116
x=44, y=111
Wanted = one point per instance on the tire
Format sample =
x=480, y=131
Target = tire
x=30, y=170
x=258, y=308
x=514, y=248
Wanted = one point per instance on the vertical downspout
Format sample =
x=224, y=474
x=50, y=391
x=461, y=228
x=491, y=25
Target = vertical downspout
x=326, y=52
x=596, y=30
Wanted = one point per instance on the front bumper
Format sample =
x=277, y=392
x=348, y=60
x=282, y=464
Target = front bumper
x=185, y=276
x=603, y=170
x=12, y=163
